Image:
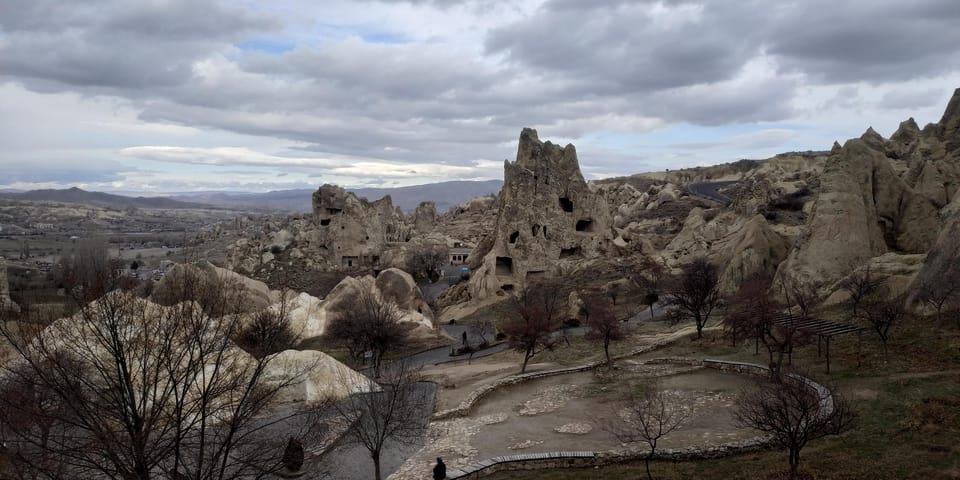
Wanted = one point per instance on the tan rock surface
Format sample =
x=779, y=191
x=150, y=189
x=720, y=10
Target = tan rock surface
x=546, y=214
x=256, y=294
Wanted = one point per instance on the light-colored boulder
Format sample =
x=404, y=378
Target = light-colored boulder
x=319, y=377
x=203, y=277
x=398, y=287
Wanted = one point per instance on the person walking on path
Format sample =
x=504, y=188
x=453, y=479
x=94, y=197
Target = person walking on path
x=439, y=471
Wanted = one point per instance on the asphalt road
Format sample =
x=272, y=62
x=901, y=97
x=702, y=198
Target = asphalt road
x=711, y=191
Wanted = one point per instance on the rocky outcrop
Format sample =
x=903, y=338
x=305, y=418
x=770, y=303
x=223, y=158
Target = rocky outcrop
x=877, y=196
x=943, y=261
x=310, y=376
x=310, y=316
x=351, y=231
x=740, y=246
x=323, y=378
x=425, y=217
x=546, y=215
x=195, y=280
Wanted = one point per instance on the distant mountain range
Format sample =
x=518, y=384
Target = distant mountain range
x=444, y=194
x=99, y=199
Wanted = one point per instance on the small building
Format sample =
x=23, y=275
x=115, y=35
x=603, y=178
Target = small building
x=458, y=255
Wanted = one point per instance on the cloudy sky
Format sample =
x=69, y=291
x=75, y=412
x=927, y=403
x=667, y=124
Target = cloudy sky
x=181, y=95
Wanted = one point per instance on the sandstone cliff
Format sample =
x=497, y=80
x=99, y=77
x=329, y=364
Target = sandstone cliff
x=878, y=196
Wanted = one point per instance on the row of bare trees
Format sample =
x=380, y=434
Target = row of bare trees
x=128, y=389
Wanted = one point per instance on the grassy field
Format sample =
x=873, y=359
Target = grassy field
x=908, y=410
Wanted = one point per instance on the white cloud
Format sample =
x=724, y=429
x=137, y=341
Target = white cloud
x=423, y=90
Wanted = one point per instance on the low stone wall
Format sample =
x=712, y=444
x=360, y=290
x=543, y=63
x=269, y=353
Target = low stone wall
x=463, y=409
x=552, y=460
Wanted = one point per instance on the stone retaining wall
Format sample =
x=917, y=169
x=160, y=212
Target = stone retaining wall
x=554, y=460
x=463, y=409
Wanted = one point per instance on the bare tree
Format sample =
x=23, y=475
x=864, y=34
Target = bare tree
x=883, y=315
x=483, y=327
x=268, y=331
x=754, y=310
x=793, y=413
x=530, y=330
x=861, y=284
x=650, y=414
x=650, y=281
x=365, y=322
x=395, y=413
x=604, y=327
x=941, y=292
x=128, y=389
x=800, y=296
x=697, y=292
x=87, y=271
x=427, y=260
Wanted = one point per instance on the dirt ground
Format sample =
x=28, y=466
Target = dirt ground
x=567, y=412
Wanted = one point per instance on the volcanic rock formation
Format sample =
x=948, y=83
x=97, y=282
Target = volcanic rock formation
x=878, y=196
x=352, y=231
x=546, y=215
x=310, y=316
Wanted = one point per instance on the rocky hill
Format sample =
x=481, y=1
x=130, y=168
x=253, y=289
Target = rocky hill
x=819, y=215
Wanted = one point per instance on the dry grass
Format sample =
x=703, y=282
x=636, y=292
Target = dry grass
x=908, y=409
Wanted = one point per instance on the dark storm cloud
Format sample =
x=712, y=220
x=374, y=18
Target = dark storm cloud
x=570, y=68
x=622, y=47
x=835, y=41
x=114, y=43
x=872, y=41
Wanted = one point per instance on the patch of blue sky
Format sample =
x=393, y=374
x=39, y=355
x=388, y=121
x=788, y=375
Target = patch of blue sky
x=390, y=38
x=275, y=46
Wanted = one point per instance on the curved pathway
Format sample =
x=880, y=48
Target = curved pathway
x=711, y=191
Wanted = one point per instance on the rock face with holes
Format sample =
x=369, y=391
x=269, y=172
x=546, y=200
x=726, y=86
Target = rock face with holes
x=546, y=215
x=878, y=196
x=353, y=232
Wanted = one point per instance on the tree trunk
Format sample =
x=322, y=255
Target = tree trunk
x=699, y=327
x=376, y=465
x=651, y=311
x=646, y=463
x=794, y=463
x=526, y=358
x=606, y=349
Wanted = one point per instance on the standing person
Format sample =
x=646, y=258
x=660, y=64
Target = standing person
x=439, y=471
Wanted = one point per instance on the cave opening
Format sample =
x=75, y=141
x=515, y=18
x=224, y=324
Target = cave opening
x=585, y=225
x=504, y=266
